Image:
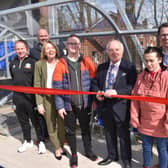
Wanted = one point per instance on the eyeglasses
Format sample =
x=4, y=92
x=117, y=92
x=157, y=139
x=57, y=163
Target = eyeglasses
x=163, y=35
x=75, y=44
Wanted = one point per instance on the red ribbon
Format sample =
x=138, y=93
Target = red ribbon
x=47, y=91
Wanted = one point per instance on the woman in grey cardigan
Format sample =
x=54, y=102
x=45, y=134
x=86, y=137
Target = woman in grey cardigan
x=44, y=69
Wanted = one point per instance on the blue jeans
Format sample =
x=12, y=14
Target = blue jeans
x=147, y=144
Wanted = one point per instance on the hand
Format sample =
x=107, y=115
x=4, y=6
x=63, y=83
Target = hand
x=62, y=112
x=41, y=109
x=108, y=93
x=100, y=97
x=135, y=122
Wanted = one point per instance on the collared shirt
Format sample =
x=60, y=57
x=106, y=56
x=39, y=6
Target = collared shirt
x=114, y=71
x=165, y=58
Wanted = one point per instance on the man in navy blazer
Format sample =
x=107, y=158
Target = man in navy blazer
x=114, y=112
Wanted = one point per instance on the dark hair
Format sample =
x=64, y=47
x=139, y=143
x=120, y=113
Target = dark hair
x=151, y=49
x=73, y=35
x=159, y=54
x=24, y=42
x=161, y=26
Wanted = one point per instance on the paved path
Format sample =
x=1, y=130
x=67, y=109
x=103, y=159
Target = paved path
x=9, y=158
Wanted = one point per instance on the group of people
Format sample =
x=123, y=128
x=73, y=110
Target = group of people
x=55, y=115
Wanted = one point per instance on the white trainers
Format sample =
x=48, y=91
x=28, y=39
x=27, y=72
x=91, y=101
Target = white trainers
x=42, y=148
x=26, y=145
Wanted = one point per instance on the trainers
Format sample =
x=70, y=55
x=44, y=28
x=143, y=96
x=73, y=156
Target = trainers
x=42, y=148
x=26, y=145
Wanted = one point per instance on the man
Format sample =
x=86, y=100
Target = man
x=117, y=76
x=35, y=53
x=22, y=72
x=42, y=36
x=163, y=42
x=75, y=72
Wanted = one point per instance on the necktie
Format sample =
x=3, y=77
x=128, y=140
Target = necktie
x=110, y=78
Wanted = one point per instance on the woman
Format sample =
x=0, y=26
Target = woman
x=151, y=119
x=45, y=103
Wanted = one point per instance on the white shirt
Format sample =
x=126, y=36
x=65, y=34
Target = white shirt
x=114, y=70
x=50, y=71
x=73, y=59
x=165, y=58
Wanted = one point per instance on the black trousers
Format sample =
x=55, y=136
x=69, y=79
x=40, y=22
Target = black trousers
x=113, y=130
x=70, y=129
x=43, y=126
x=24, y=112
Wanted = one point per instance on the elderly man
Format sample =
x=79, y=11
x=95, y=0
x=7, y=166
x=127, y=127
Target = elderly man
x=117, y=76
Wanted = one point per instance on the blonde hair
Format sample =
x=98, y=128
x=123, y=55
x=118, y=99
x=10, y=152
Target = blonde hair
x=43, y=55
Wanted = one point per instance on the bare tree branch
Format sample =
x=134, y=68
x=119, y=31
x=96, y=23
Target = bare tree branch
x=139, y=10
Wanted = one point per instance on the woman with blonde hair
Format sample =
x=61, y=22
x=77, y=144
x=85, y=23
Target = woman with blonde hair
x=44, y=69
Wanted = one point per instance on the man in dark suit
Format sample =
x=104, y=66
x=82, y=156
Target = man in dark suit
x=117, y=76
x=42, y=36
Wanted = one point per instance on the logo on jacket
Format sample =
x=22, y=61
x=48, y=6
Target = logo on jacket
x=27, y=66
x=13, y=66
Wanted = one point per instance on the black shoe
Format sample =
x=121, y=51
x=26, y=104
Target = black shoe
x=106, y=161
x=74, y=161
x=127, y=165
x=91, y=156
x=58, y=157
x=64, y=153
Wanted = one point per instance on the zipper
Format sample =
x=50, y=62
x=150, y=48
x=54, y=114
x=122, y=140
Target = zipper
x=20, y=64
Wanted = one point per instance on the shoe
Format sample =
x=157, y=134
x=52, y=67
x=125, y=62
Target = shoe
x=64, y=153
x=74, y=161
x=58, y=154
x=128, y=165
x=26, y=145
x=58, y=157
x=106, y=161
x=42, y=148
x=91, y=156
x=155, y=166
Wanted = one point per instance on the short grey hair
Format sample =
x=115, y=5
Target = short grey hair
x=117, y=40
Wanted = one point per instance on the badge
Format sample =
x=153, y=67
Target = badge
x=13, y=66
x=27, y=66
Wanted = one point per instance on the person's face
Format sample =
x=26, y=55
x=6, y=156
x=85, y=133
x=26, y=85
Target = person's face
x=50, y=51
x=115, y=51
x=21, y=50
x=73, y=45
x=152, y=61
x=163, y=37
x=43, y=36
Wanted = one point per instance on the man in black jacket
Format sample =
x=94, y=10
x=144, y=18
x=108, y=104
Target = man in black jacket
x=22, y=73
x=42, y=36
